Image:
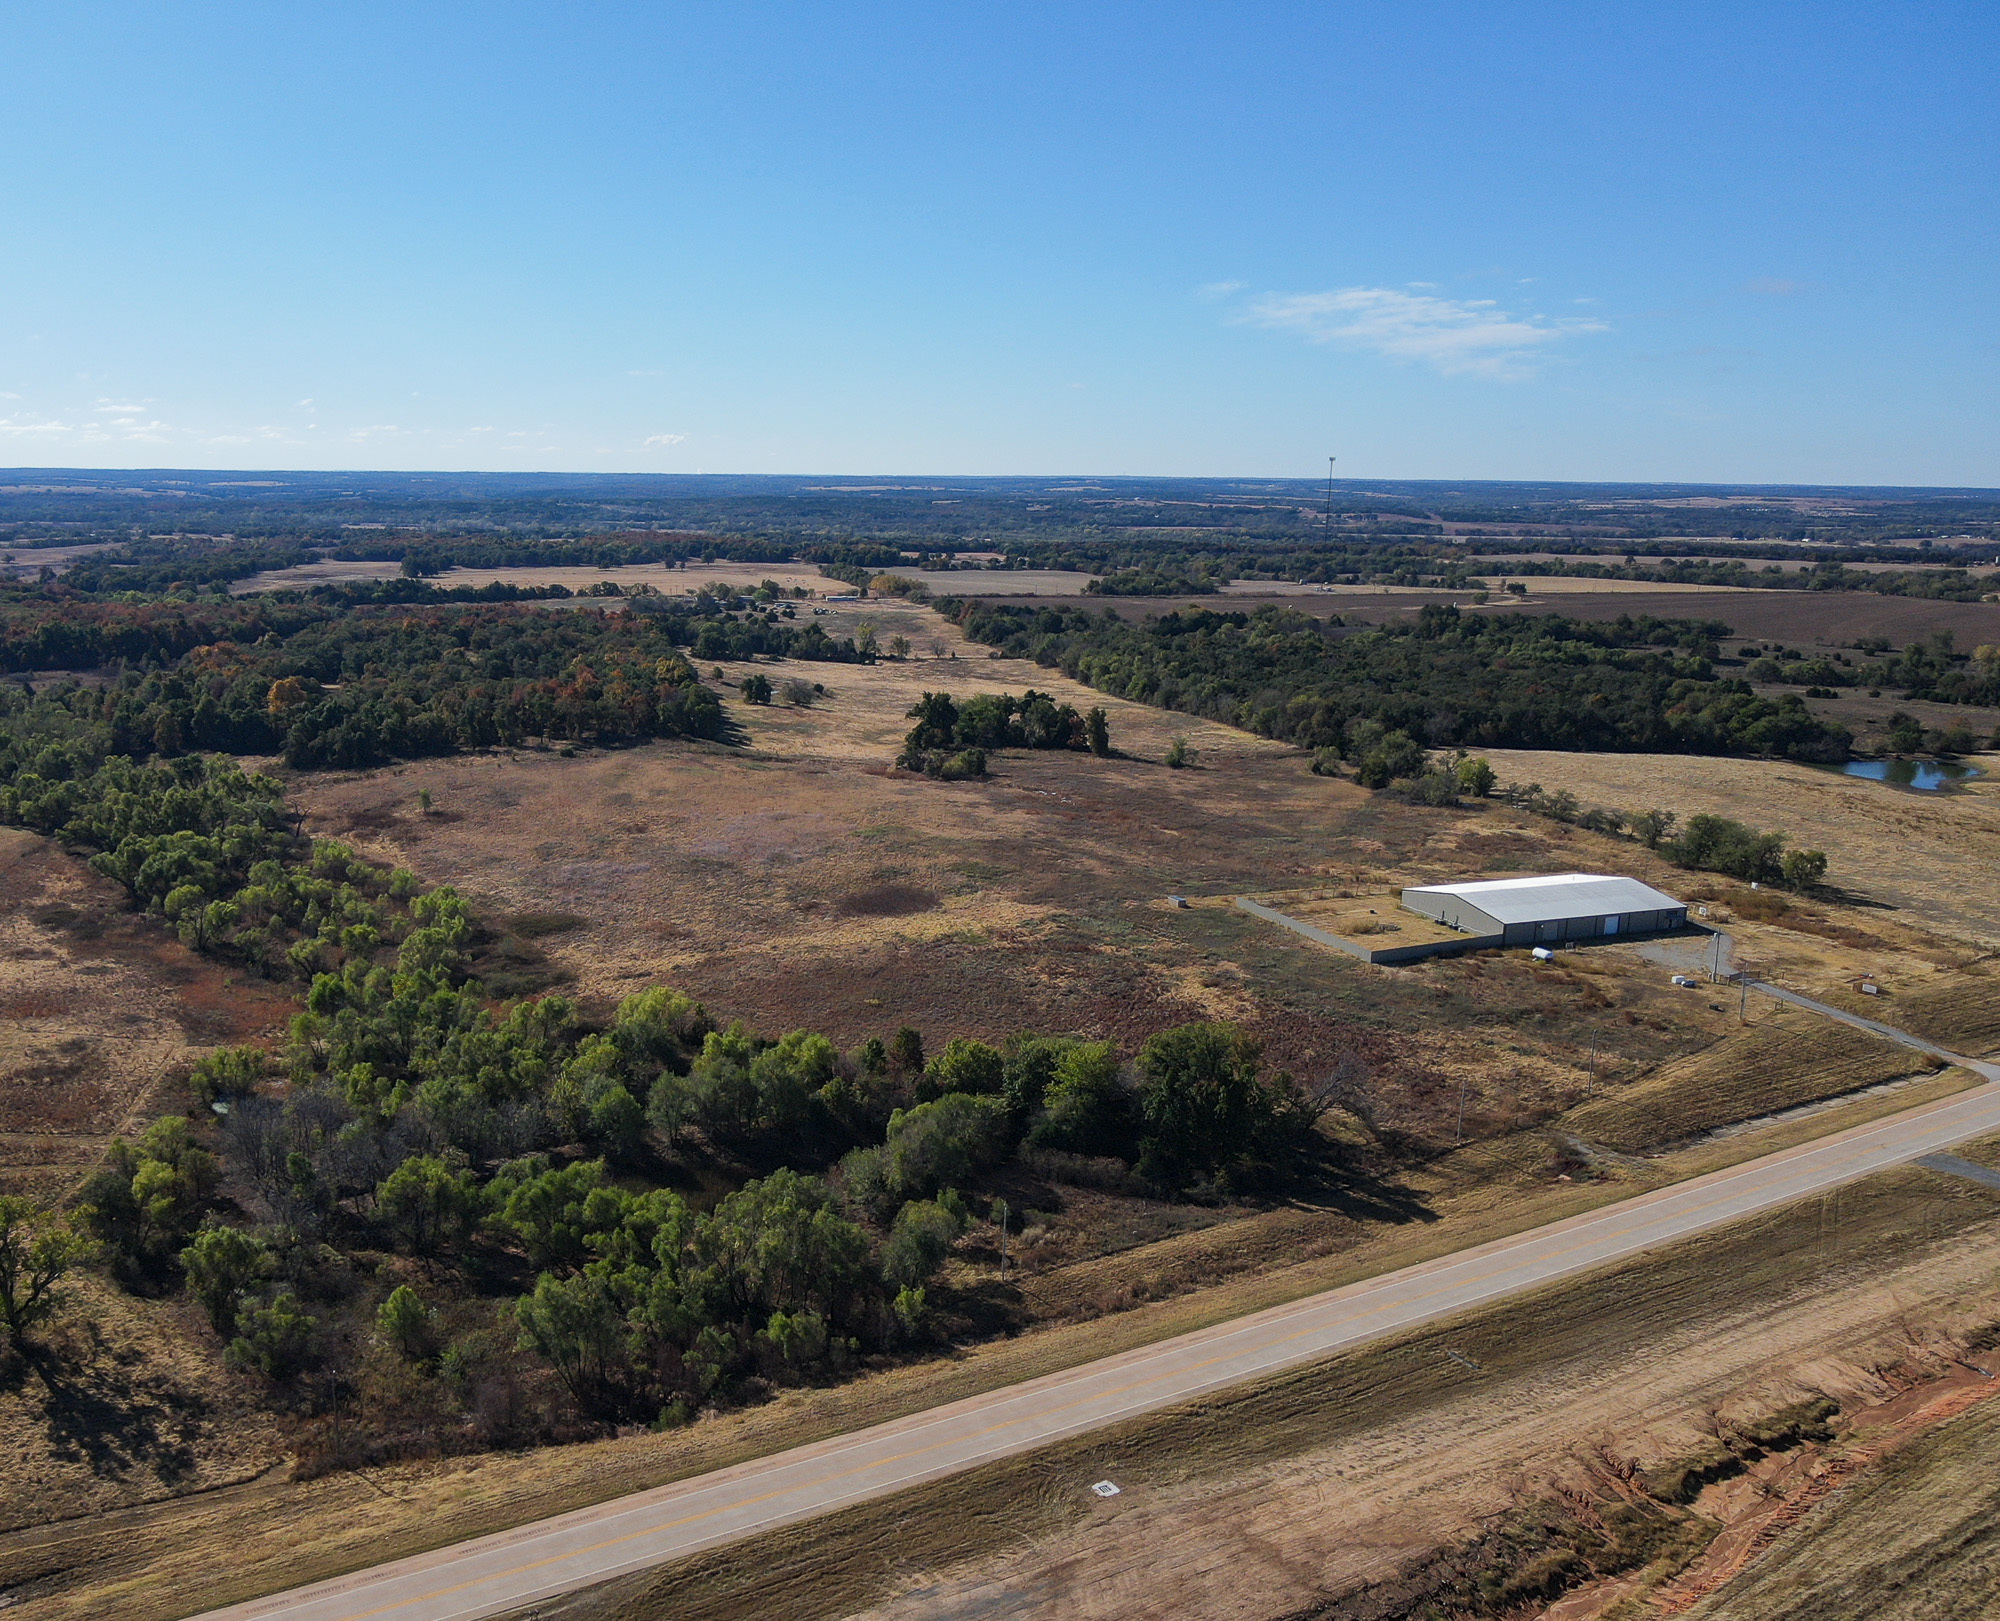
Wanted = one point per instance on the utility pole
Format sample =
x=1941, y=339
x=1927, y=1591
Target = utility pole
x=1593, y=1058
x=1463, y=1082
x=1000, y=1214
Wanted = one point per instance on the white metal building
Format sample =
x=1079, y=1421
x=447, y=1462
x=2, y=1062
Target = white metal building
x=1549, y=907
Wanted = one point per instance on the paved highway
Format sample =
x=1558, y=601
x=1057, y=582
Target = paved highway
x=503, y=1572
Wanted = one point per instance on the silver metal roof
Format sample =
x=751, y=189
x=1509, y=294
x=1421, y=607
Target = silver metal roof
x=1553, y=895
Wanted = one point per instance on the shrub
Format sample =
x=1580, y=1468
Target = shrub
x=918, y=1243
x=277, y=1340
x=407, y=1324
x=221, y=1264
x=1088, y=1110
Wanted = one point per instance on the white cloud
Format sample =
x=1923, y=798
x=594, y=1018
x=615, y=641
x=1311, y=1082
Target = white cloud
x=35, y=426
x=666, y=439
x=1219, y=289
x=1452, y=335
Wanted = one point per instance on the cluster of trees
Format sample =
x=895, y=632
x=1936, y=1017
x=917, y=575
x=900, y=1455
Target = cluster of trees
x=1155, y=582
x=1448, y=680
x=1930, y=669
x=527, y=1151
x=1704, y=843
x=952, y=739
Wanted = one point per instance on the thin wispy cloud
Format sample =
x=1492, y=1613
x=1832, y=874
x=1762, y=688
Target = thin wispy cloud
x=664, y=438
x=1453, y=336
x=1219, y=289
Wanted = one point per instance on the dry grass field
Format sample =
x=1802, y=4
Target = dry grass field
x=1792, y=1057
x=99, y=1011
x=799, y=880
x=1927, y=858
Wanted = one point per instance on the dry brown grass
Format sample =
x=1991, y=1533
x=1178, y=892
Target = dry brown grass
x=1791, y=1058
x=1962, y=1014
x=1927, y=856
x=99, y=1010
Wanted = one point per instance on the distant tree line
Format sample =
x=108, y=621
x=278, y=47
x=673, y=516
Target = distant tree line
x=1447, y=680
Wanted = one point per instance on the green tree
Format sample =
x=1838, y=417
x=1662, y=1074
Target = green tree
x=37, y=1254
x=149, y=1195
x=1097, y=733
x=1476, y=777
x=1906, y=734
x=428, y=1205
x=756, y=689
x=221, y=1264
x=577, y=1326
x=964, y=1066
x=1088, y=1108
x=1654, y=827
x=918, y=1243
x=276, y=1339
x=406, y=1323
x=1202, y=1104
x=550, y=1214
x=1179, y=754
x=1804, y=869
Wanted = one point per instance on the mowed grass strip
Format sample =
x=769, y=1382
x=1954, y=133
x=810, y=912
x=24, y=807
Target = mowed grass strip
x=845, y=1561
x=1791, y=1060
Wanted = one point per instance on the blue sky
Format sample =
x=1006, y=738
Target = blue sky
x=1748, y=242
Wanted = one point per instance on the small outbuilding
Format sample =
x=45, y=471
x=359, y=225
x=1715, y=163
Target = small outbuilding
x=1549, y=908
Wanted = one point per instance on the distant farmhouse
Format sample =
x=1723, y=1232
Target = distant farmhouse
x=1549, y=908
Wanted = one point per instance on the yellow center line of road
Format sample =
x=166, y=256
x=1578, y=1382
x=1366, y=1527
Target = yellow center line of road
x=1673, y=1206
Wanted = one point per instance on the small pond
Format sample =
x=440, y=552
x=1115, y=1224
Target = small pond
x=1928, y=775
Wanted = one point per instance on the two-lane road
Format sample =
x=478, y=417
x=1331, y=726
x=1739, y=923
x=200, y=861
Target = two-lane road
x=502, y=1572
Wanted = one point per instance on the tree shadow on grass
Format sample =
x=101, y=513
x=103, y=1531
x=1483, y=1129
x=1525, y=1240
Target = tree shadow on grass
x=98, y=1412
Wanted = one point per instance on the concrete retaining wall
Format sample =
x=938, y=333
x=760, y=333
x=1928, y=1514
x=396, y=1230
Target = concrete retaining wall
x=1385, y=955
